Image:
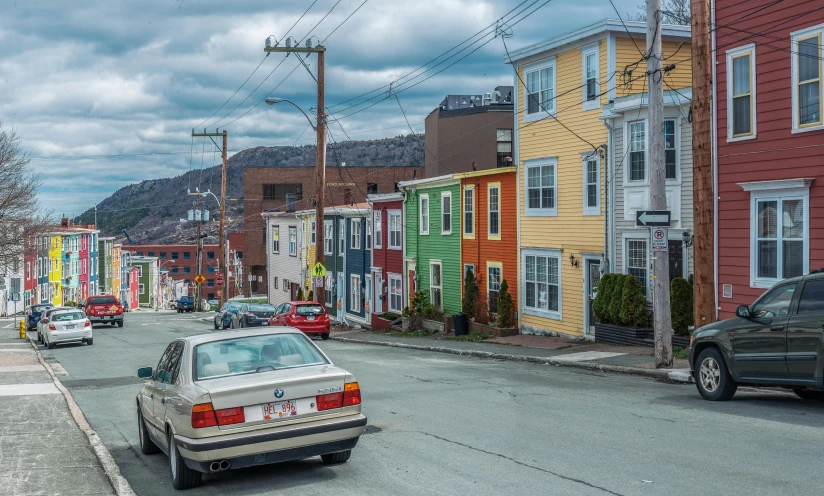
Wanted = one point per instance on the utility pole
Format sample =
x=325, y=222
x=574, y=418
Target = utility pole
x=658, y=194
x=704, y=309
x=199, y=219
x=320, y=181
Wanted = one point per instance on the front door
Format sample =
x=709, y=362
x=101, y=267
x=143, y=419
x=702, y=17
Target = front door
x=340, y=292
x=805, y=334
x=378, y=291
x=367, y=304
x=592, y=278
x=676, y=259
x=760, y=343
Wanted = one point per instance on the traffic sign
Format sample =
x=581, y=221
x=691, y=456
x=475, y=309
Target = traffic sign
x=652, y=218
x=219, y=279
x=659, y=239
x=199, y=278
x=319, y=270
x=318, y=281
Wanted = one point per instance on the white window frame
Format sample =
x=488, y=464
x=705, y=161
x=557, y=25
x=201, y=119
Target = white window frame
x=539, y=312
x=141, y=289
x=585, y=52
x=541, y=212
x=341, y=237
x=424, y=217
x=354, y=293
x=470, y=234
x=368, y=231
x=676, y=128
x=329, y=238
x=399, y=245
x=396, y=278
x=139, y=271
x=626, y=267
x=432, y=264
x=628, y=161
x=474, y=272
x=734, y=53
x=355, y=234
x=543, y=112
x=795, y=38
x=275, y=239
x=446, y=212
x=489, y=211
x=378, y=226
x=293, y=241
x=591, y=157
x=500, y=267
x=313, y=232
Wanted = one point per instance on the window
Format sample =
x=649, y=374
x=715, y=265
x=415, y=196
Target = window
x=776, y=303
x=395, y=293
x=329, y=238
x=175, y=255
x=275, y=283
x=637, y=261
x=210, y=255
x=494, y=221
x=286, y=285
x=210, y=269
x=446, y=212
x=162, y=254
x=279, y=191
x=812, y=298
x=590, y=70
x=592, y=193
x=187, y=255
x=469, y=211
x=371, y=188
x=210, y=283
x=540, y=186
x=670, y=150
x=435, y=284
x=187, y=270
x=341, y=237
x=175, y=270
x=504, y=147
x=637, y=151
x=424, y=214
x=275, y=239
x=313, y=235
x=394, y=230
x=542, y=282
x=741, y=92
x=355, y=241
x=806, y=49
x=354, y=293
x=368, y=234
x=493, y=286
x=246, y=354
x=28, y=271
x=151, y=254
x=467, y=267
x=293, y=241
x=780, y=238
x=540, y=91
x=141, y=289
x=378, y=229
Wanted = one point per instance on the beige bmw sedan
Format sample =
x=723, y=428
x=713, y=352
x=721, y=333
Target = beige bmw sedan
x=235, y=399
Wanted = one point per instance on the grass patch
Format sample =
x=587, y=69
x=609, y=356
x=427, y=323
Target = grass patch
x=472, y=337
x=680, y=353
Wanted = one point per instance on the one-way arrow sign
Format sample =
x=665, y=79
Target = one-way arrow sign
x=652, y=218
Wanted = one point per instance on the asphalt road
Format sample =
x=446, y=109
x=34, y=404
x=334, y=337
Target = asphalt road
x=443, y=424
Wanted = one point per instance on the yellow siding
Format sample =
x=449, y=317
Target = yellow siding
x=570, y=230
x=56, y=269
x=626, y=53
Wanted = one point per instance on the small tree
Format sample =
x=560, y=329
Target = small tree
x=616, y=299
x=505, y=308
x=300, y=294
x=681, y=306
x=311, y=296
x=600, y=307
x=634, y=309
x=470, y=295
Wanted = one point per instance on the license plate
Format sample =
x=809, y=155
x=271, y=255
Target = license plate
x=107, y=317
x=311, y=317
x=281, y=409
x=69, y=327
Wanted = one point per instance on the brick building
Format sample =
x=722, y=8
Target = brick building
x=292, y=189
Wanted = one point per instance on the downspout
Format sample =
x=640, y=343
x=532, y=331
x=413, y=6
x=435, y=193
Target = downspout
x=606, y=149
x=714, y=162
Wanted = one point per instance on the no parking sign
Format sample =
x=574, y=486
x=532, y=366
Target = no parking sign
x=659, y=239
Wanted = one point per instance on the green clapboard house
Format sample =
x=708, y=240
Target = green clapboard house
x=432, y=229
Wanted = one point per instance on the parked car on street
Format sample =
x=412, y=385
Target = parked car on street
x=776, y=341
x=43, y=324
x=309, y=317
x=226, y=316
x=34, y=313
x=223, y=401
x=185, y=304
x=67, y=327
x=104, y=309
x=254, y=315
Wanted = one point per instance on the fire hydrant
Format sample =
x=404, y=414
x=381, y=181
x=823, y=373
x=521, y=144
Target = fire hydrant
x=22, y=329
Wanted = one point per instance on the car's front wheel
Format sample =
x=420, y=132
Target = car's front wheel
x=147, y=446
x=339, y=457
x=182, y=476
x=712, y=378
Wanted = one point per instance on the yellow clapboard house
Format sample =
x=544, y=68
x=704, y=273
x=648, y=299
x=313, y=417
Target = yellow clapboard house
x=55, y=286
x=559, y=146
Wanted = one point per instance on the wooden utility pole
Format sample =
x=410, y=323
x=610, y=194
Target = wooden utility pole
x=199, y=253
x=658, y=193
x=704, y=309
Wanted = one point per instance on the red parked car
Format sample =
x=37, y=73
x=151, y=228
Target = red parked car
x=104, y=309
x=308, y=316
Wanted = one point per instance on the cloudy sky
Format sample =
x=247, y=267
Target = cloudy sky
x=104, y=94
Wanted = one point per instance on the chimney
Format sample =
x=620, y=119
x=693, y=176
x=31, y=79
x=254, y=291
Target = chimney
x=64, y=222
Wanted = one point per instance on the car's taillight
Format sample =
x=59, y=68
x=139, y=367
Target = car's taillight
x=329, y=401
x=87, y=324
x=52, y=328
x=230, y=416
x=351, y=394
x=250, y=314
x=203, y=415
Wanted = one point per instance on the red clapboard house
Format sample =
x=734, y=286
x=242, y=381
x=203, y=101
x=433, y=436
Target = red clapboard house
x=769, y=134
x=387, y=263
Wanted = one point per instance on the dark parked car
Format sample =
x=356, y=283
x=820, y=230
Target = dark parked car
x=226, y=316
x=777, y=341
x=185, y=304
x=255, y=315
x=33, y=314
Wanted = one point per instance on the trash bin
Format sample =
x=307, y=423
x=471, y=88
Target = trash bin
x=460, y=323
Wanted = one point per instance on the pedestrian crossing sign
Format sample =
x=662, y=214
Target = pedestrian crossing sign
x=319, y=270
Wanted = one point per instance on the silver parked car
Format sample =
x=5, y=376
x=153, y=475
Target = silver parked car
x=66, y=327
x=43, y=323
x=242, y=398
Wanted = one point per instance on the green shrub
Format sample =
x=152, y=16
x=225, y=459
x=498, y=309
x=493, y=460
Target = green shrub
x=681, y=306
x=300, y=294
x=613, y=311
x=311, y=296
x=634, y=308
x=600, y=307
x=504, y=318
x=470, y=295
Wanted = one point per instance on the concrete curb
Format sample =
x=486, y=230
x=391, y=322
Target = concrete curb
x=119, y=483
x=675, y=376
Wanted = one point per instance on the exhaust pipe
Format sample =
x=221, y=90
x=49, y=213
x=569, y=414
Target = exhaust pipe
x=225, y=465
x=219, y=466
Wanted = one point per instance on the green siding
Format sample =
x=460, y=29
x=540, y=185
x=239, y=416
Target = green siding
x=436, y=246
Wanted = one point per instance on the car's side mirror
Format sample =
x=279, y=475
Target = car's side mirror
x=743, y=311
x=144, y=372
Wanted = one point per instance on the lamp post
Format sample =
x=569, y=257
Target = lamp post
x=159, y=273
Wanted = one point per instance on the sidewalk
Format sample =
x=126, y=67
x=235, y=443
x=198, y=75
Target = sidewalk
x=47, y=448
x=536, y=349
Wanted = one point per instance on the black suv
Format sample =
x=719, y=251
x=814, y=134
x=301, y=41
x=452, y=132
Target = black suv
x=778, y=341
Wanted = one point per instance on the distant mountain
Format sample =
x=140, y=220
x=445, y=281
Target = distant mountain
x=151, y=210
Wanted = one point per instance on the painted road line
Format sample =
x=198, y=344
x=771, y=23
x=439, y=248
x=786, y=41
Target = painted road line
x=584, y=356
x=28, y=389
x=21, y=368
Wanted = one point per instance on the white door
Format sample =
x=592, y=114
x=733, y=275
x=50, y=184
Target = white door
x=341, y=294
x=368, y=303
x=592, y=277
x=378, y=308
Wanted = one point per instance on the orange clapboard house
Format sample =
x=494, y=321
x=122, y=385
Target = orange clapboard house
x=489, y=233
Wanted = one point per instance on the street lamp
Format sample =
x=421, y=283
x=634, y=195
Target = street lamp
x=159, y=272
x=272, y=101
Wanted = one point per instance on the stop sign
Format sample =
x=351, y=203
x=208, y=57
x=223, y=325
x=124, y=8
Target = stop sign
x=219, y=279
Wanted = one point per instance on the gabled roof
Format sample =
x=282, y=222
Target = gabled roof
x=383, y=197
x=429, y=182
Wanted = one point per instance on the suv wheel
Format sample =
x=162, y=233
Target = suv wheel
x=712, y=378
x=182, y=476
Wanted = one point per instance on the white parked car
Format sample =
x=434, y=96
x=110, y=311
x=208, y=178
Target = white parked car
x=67, y=326
x=43, y=323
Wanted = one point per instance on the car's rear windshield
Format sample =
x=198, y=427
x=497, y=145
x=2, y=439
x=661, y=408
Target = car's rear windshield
x=261, y=308
x=248, y=355
x=187, y=298
x=103, y=300
x=314, y=309
x=64, y=316
x=40, y=308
